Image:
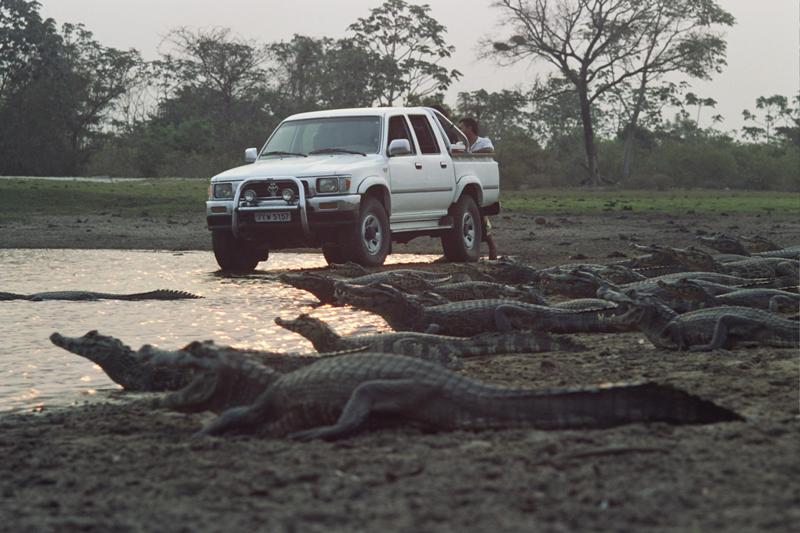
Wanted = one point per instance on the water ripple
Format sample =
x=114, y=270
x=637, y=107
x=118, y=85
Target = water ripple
x=235, y=310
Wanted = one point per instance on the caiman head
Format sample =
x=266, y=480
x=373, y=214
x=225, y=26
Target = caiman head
x=347, y=270
x=757, y=243
x=687, y=289
x=723, y=243
x=379, y=298
x=309, y=327
x=658, y=256
x=410, y=282
x=317, y=284
x=110, y=353
x=573, y=284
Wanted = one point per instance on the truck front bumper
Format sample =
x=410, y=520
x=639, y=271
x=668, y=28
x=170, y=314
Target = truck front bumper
x=311, y=219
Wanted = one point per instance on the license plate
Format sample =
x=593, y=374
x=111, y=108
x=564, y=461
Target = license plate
x=277, y=216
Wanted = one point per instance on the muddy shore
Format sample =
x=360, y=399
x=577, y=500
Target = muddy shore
x=129, y=468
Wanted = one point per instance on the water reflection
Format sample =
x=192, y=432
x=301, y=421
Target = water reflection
x=235, y=310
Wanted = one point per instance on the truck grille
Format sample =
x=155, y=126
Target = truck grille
x=272, y=189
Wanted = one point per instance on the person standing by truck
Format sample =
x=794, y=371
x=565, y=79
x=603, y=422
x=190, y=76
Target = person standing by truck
x=480, y=145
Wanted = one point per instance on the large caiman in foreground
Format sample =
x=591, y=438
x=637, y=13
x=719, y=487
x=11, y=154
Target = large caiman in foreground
x=338, y=397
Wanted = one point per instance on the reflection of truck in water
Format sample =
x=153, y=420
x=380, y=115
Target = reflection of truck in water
x=351, y=181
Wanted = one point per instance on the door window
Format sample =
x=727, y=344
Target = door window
x=424, y=133
x=398, y=129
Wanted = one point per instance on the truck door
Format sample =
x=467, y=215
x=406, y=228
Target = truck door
x=437, y=169
x=407, y=180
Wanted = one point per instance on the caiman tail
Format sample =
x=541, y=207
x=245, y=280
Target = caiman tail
x=597, y=407
x=12, y=296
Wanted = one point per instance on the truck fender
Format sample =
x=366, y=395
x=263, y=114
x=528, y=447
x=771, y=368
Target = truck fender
x=473, y=183
x=382, y=185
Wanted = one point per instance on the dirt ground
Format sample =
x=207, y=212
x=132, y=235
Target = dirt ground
x=125, y=467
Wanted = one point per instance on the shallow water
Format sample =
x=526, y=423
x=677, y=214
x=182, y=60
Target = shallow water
x=238, y=311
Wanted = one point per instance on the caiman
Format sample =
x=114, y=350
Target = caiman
x=322, y=286
x=788, y=252
x=338, y=397
x=472, y=290
x=741, y=245
x=714, y=327
x=699, y=296
x=749, y=267
x=425, y=345
x=122, y=364
x=613, y=273
x=129, y=368
x=161, y=294
x=477, y=316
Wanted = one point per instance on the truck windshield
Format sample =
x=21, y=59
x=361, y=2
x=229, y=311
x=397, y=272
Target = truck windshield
x=356, y=134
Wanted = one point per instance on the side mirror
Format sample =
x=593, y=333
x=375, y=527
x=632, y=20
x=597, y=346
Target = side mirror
x=458, y=147
x=250, y=155
x=399, y=147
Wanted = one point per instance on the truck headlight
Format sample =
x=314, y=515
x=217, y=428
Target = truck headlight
x=333, y=185
x=287, y=195
x=327, y=185
x=223, y=190
x=250, y=195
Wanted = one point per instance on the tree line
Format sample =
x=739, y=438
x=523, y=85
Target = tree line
x=609, y=111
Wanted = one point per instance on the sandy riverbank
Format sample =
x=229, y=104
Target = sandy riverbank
x=129, y=468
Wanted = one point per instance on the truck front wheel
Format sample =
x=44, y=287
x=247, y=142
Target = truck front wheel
x=369, y=241
x=462, y=243
x=235, y=255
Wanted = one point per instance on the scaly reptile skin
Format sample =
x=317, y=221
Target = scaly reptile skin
x=322, y=286
x=443, y=349
x=469, y=317
x=123, y=365
x=130, y=369
x=161, y=294
x=714, y=327
x=699, y=297
x=338, y=397
x=788, y=252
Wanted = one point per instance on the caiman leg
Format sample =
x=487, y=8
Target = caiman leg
x=378, y=396
x=236, y=417
x=721, y=329
x=502, y=317
x=781, y=304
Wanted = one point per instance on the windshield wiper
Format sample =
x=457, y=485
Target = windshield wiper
x=336, y=150
x=278, y=152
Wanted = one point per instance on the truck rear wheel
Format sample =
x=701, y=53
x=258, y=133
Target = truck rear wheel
x=370, y=240
x=235, y=255
x=462, y=243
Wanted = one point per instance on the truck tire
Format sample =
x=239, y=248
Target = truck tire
x=235, y=255
x=335, y=254
x=462, y=243
x=370, y=240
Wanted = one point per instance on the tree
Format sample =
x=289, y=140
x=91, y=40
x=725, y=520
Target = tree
x=310, y=73
x=57, y=91
x=215, y=60
x=409, y=45
x=774, y=115
x=598, y=45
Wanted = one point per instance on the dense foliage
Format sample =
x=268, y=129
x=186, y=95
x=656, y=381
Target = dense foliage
x=70, y=105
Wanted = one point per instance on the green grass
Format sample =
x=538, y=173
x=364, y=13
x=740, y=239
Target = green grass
x=677, y=202
x=23, y=198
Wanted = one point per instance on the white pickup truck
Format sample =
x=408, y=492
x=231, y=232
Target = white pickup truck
x=351, y=181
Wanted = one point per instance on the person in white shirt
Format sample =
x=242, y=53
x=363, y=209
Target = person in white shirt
x=476, y=144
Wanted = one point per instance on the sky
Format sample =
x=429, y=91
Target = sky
x=763, y=47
